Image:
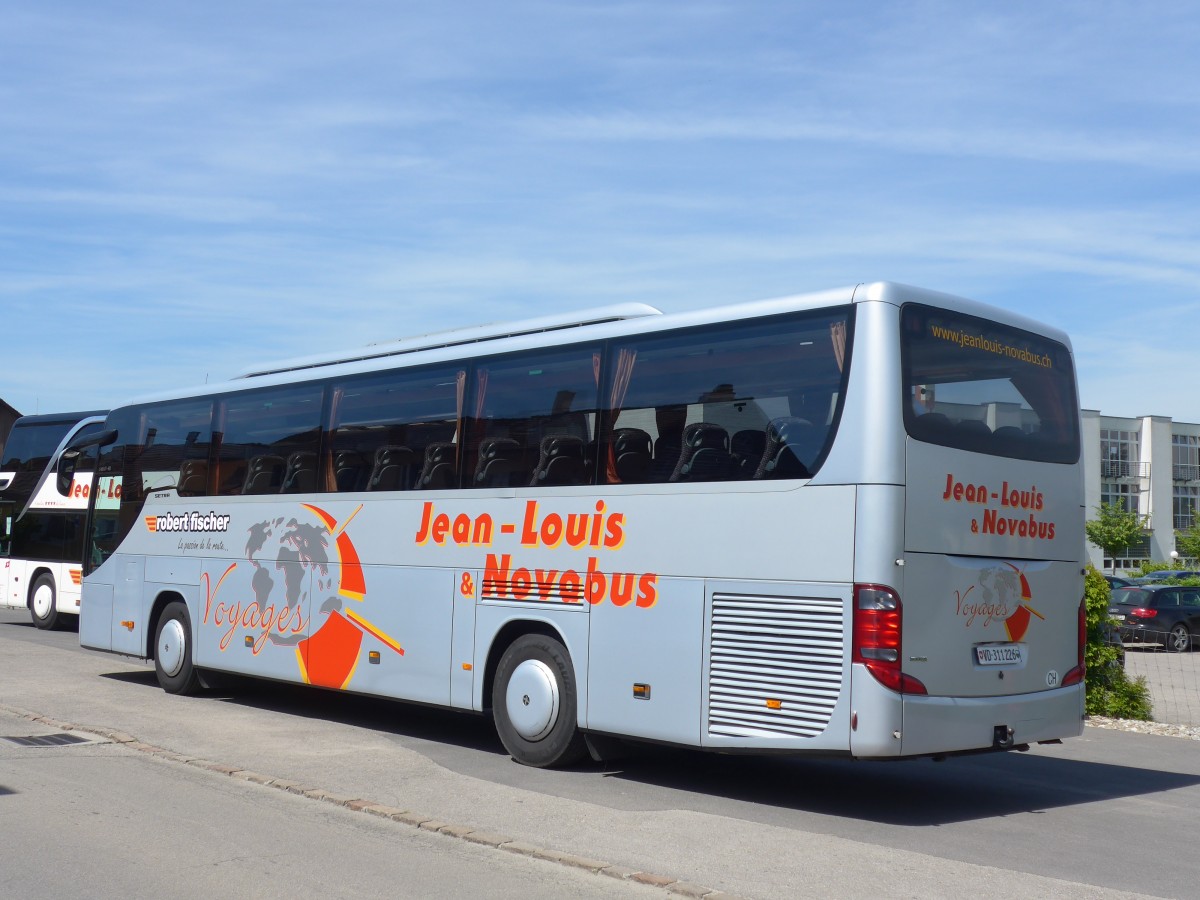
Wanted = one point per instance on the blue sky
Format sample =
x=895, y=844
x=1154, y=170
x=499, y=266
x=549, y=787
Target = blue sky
x=186, y=189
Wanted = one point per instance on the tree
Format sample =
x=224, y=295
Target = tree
x=1110, y=691
x=1114, y=528
x=1187, y=542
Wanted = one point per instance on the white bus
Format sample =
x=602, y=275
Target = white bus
x=843, y=523
x=41, y=531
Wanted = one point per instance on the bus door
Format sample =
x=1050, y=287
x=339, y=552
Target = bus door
x=9, y=577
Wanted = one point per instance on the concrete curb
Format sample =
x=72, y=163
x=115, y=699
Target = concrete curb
x=669, y=884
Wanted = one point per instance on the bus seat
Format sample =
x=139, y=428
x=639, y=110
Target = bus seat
x=393, y=469
x=667, y=451
x=300, y=476
x=747, y=447
x=1008, y=439
x=931, y=427
x=348, y=470
x=973, y=434
x=193, y=478
x=439, y=468
x=264, y=475
x=631, y=454
x=499, y=463
x=705, y=454
x=562, y=460
x=791, y=446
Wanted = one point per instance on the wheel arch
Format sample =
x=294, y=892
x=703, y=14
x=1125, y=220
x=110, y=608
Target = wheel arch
x=504, y=638
x=32, y=579
x=161, y=601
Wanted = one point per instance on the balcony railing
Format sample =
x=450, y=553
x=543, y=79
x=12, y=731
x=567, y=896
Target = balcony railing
x=1185, y=472
x=1116, y=469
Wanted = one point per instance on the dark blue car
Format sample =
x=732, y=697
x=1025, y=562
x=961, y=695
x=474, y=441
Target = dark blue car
x=1163, y=614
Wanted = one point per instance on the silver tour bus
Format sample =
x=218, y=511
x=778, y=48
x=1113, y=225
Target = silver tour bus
x=843, y=523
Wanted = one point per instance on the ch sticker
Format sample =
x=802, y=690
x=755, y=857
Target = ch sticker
x=466, y=587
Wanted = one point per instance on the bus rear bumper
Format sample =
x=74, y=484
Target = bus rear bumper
x=937, y=725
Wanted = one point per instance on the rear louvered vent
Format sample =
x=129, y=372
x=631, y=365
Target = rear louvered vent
x=775, y=665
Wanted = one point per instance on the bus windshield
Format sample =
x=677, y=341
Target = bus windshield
x=977, y=385
x=30, y=446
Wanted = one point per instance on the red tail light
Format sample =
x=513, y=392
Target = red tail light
x=1076, y=674
x=1142, y=613
x=878, y=621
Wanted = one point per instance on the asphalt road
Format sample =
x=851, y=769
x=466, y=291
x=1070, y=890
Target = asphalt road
x=1074, y=820
x=99, y=819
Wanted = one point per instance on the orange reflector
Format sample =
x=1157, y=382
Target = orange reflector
x=467, y=667
x=774, y=704
x=373, y=657
x=249, y=641
x=128, y=624
x=641, y=692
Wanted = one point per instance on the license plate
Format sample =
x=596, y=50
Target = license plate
x=999, y=654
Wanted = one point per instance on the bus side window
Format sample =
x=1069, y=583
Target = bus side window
x=706, y=395
x=531, y=419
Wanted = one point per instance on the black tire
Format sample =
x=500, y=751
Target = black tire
x=535, y=705
x=1179, y=640
x=43, y=602
x=173, y=651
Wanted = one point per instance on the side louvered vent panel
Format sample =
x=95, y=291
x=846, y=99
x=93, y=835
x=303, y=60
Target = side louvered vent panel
x=773, y=651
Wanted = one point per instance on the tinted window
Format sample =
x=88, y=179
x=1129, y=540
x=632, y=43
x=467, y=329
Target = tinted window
x=386, y=426
x=1166, y=600
x=533, y=419
x=265, y=437
x=977, y=385
x=1130, y=596
x=743, y=400
x=175, y=446
x=27, y=454
x=30, y=446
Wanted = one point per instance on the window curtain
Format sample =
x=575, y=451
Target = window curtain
x=622, y=376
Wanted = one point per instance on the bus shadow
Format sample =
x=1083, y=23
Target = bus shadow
x=906, y=793
x=902, y=793
x=412, y=720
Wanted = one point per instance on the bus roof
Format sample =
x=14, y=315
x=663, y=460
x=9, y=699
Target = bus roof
x=569, y=328
x=457, y=337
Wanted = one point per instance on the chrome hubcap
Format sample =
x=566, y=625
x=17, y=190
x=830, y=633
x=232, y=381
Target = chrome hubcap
x=171, y=649
x=532, y=700
x=43, y=601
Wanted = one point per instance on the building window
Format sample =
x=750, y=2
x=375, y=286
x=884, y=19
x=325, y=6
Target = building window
x=1185, y=457
x=1184, y=503
x=1135, y=554
x=1120, y=494
x=1118, y=453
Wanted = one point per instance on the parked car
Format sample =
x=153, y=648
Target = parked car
x=1115, y=581
x=1164, y=575
x=1164, y=614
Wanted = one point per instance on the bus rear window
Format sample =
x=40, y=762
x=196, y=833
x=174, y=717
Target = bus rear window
x=977, y=385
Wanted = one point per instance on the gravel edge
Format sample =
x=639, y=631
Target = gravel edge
x=1136, y=726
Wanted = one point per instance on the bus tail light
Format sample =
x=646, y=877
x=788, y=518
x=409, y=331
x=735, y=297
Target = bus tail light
x=1076, y=674
x=878, y=619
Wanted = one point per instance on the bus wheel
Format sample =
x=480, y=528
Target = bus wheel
x=43, y=604
x=534, y=703
x=173, y=651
